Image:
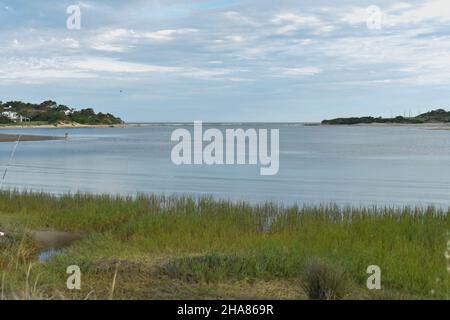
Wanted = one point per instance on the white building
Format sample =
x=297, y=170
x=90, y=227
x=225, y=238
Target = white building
x=10, y=115
x=14, y=116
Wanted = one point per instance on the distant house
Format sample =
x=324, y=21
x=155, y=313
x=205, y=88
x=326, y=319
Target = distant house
x=14, y=116
x=22, y=118
x=11, y=115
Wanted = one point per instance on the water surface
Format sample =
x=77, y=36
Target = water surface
x=359, y=165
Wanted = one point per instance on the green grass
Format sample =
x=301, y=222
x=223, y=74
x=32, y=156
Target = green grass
x=25, y=123
x=180, y=247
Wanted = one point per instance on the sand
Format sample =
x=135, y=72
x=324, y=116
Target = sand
x=60, y=126
x=15, y=137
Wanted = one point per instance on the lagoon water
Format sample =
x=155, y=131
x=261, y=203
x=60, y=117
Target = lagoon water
x=358, y=165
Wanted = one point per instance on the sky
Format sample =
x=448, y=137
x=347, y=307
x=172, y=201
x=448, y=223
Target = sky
x=229, y=60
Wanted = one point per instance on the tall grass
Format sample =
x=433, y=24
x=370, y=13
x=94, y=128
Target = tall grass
x=210, y=241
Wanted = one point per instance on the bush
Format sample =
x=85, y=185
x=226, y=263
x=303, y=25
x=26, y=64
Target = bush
x=5, y=120
x=325, y=282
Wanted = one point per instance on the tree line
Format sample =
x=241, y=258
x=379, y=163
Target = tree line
x=53, y=113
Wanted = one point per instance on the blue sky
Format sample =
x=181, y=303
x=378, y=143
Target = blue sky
x=229, y=60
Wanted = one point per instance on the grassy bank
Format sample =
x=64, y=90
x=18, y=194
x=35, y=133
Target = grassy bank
x=174, y=247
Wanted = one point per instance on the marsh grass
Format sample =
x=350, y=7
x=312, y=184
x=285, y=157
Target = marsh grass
x=201, y=241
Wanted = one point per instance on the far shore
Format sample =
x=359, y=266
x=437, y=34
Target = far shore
x=430, y=125
x=393, y=124
x=427, y=126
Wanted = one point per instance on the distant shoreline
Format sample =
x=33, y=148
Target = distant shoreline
x=390, y=124
x=430, y=125
x=439, y=116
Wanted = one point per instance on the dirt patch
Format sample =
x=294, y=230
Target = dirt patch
x=55, y=239
x=124, y=267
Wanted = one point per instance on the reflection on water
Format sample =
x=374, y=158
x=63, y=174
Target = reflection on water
x=347, y=165
x=46, y=255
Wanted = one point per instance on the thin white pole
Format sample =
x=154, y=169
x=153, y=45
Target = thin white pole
x=11, y=157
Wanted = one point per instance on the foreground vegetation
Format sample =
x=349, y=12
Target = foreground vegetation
x=156, y=247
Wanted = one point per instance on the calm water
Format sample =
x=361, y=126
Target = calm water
x=344, y=165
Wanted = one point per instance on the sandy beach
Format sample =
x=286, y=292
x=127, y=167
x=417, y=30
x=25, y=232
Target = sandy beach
x=15, y=137
x=59, y=126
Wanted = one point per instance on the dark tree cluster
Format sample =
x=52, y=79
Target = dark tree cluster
x=437, y=116
x=52, y=112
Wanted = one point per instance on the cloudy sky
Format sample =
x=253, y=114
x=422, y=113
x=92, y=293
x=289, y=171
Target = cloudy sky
x=229, y=60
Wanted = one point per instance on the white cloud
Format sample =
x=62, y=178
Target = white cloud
x=71, y=43
x=302, y=71
x=85, y=5
x=116, y=66
x=47, y=69
x=291, y=22
x=248, y=46
x=107, y=47
x=119, y=40
x=165, y=35
x=355, y=16
x=236, y=39
x=401, y=14
x=38, y=70
x=159, y=35
x=419, y=61
x=296, y=19
x=239, y=18
x=31, y=43
x=428, y=10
